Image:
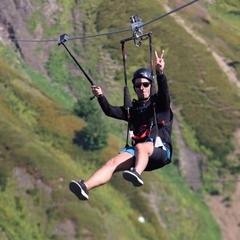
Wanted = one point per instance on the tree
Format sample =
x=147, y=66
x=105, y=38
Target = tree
x=95, y=135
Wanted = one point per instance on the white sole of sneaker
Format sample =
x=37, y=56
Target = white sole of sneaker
x=131, y=177
x=75, y=188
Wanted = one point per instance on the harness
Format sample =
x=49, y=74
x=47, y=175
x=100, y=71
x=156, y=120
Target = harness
x=145, y=130
x=137, y=29
x=137, y=35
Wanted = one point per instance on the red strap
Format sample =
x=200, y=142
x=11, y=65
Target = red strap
x=144, y=135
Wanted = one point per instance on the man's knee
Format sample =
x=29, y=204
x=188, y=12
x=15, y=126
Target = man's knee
x=138, y=146
x=111, y=163
x=144, y=145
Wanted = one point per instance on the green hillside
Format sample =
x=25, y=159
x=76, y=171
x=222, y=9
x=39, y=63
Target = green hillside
x=42, y=95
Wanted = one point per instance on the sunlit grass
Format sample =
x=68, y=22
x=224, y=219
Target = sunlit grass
x=37, y=129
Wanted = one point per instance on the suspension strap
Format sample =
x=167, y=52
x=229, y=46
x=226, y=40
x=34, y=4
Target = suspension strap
x=127, y=98
x=63, y=38
x=124, y=62
x=158, y=141
x=153, y=90
x=150, y=51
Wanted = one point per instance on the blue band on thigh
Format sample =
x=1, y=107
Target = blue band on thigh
x=149, y=140
x=129, y=149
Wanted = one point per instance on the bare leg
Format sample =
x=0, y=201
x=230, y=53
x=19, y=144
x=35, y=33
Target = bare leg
x=142, y=153
x=120, y=162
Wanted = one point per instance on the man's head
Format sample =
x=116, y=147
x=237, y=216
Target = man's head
x=142, y=81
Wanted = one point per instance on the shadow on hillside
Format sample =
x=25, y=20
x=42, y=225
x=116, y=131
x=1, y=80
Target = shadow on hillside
x=77, y=140
x=233, y=64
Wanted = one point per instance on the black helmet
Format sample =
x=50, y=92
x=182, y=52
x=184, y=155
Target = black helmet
x=143, y=73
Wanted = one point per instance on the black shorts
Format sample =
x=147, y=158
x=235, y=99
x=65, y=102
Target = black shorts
x=158, y=159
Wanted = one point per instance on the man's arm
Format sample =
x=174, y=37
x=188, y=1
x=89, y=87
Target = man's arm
x=163, y=93
x=108, y=109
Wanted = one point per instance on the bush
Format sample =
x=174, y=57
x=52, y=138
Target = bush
x=94, y=136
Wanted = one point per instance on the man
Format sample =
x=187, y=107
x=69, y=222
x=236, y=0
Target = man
x=151, y=122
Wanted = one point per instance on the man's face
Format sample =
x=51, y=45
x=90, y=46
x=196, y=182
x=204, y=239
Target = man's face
x=142, y=88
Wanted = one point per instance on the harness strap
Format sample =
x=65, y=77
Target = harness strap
x=158, y=141
x=127, y=98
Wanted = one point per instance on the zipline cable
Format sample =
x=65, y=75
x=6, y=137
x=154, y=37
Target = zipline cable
x=102, y=34
x=168, y=13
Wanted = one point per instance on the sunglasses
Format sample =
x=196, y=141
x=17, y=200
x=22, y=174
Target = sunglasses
x=145, y=84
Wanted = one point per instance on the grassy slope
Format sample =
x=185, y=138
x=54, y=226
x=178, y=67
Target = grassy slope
x=33, y=137
x=36, y=134
x=212, y=95
x=196, y=82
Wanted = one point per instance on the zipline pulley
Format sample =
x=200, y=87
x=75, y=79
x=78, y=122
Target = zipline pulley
x=137, y=29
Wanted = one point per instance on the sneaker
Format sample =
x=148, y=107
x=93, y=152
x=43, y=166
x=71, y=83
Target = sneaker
x=133, y=177
x=79, y=189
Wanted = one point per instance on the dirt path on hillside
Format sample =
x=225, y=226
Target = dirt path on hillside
x=189, y=161
x=222, y=62
x=228, y=218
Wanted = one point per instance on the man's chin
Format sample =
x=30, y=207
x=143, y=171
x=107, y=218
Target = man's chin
x=143, y=98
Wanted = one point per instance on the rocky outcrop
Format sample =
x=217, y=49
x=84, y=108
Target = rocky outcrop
x=15, y=27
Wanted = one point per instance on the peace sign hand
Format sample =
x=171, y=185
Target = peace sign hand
x=159, y=62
